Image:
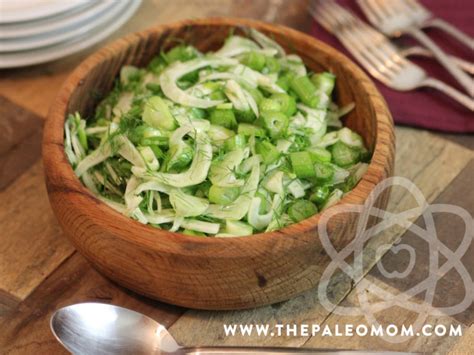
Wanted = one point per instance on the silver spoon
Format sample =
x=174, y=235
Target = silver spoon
x=97, y=328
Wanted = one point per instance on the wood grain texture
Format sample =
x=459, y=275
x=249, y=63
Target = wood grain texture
x=392, y=315
x=20, y=141
x=197, y=325
x=450, y=230
x=31, y=245
x=26, y=330
x=465, y=344
x=209, y=273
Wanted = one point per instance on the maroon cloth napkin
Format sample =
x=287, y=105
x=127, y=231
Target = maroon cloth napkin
x=426, y=108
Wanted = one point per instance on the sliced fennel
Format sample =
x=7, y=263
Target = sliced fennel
x=223, y=144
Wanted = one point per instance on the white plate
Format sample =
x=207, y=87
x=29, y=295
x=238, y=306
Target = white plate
x=25, y=10
x=50, y=24
x=41, y=55
x=28, y=43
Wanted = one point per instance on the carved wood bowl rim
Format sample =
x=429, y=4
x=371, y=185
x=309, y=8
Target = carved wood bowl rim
x=60, y=177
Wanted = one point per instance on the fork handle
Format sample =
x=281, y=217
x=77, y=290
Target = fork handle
x=420, y=51
x=451, y=30
x=452, y=68
x=450, y=91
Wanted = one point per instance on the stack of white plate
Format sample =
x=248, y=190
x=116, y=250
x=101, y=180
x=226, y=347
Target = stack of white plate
x=37, y=31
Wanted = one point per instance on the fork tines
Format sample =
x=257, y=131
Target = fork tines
x=371, y=48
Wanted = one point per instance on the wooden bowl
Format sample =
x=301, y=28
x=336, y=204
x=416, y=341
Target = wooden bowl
x=207, y=273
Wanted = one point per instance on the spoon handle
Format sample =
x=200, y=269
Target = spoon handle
x=269, y=351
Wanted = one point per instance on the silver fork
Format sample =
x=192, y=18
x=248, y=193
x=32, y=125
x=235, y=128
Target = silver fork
x=424, y=18
x=390, y=17
x=420, y=51
x=376, y=53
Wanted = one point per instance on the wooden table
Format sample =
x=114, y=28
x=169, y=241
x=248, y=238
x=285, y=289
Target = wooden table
x=40, y=271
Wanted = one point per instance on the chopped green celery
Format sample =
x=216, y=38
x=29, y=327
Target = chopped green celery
x=154, y=88
x=285, y=79
x=276, y=123
x=320, y=155
x=179, y=157
x=301, y=209
x=219, y=133
x=198, y=113
x=343, y=155
x=267, y=151
x=225, y=106
x=225, y=118
x=254, y=60
x=269, y=105
x=157, y=114
x=302, y=165
x=247, y=129
x=218, y=95
x=319, y=195
x=193, y=233
x=202, y=190
x=287, y=103
x=156, y=65
x=223, y=195
x=304, y=88
x=81, y=132
x=247, y=116
x=102, y=122
x=180, y=53
x=238, y=228
x=138, y=133
x=324, y=82
x=324, y=173
x=186, y=205
x=272, y=64
x=239, y=208
x=129, y=73
x=155, y=141
x=239, y=141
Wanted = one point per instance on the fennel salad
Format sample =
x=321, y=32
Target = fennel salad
x=229, y=143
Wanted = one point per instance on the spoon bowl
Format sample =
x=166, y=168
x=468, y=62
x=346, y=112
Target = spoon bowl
x=96, y=328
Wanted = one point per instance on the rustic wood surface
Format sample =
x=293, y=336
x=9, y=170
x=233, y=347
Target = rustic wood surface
x=40, y=271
